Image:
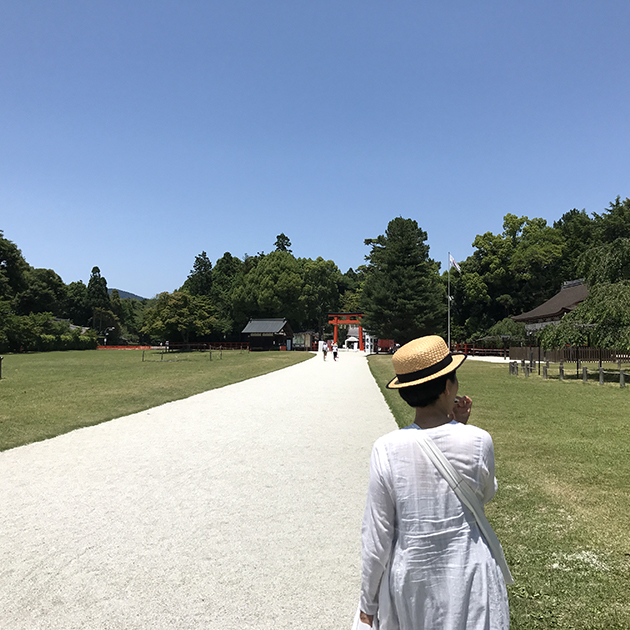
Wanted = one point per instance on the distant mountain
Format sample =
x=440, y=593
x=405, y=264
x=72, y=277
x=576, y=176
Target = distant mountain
x=126, y=295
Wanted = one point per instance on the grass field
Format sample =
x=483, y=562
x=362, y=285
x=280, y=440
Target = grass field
x=46, y=394
x=562, y=510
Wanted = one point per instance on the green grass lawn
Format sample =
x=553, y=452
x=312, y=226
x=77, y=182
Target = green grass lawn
x=562, y=510
x=46, y=394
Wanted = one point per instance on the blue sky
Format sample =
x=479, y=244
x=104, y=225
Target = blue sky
x=136, y=134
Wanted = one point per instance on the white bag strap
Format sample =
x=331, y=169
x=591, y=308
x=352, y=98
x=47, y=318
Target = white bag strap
x=468, y=498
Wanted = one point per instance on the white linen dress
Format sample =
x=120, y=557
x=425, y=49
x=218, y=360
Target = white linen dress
x=425, y=565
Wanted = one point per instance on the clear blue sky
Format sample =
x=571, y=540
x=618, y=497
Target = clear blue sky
x=135, y=134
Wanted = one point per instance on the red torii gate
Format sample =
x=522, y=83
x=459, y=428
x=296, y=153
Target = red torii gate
x=347, y=318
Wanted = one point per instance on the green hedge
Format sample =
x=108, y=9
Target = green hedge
x=40, y=332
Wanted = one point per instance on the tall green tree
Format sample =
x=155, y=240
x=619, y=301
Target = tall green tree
x=179, y=316
x=13, y=269
x=271, y=289
x=97, y=294
x=77, y=308
x=225, y=275
x=507, y=274
x=99, y=302
x=578, y=232
x=614, y=222
x=351, y=290
x=403, y=297
x=108, y=325
x=607, y=263
x=132, y=318
x=116, y=305
x=44, y=291
x=320, y=292
x=282, y=243
x=199, y=281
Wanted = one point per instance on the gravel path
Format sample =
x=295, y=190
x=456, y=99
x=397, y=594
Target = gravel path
x=233, y=509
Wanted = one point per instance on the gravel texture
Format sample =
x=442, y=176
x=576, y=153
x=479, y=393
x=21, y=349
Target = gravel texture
x=233, y=509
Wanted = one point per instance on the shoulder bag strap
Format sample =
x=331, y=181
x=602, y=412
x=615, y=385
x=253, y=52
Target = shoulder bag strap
x=468, y=498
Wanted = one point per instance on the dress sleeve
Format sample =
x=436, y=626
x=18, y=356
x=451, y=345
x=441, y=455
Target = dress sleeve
x=488, y=480
x=377, y=533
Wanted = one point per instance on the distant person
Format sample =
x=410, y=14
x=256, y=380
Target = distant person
x=324, y=349
x=335, y=349
x=427, y=560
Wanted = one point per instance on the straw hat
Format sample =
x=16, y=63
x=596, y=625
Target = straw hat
x=423, y=360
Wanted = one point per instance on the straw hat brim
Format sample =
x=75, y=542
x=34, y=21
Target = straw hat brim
x=458, y=359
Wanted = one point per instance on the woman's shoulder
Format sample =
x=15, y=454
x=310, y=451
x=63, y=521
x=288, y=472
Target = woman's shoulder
x=454, y=429
x=469, y=433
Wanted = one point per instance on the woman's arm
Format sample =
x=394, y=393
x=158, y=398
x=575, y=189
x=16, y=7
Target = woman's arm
x=488, y=480
x=377, y=533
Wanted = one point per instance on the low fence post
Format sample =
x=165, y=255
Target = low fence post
x=515, y=368
x=545, y=372
x=601, y=375
x=584, y=375
x=527, y=370
x=622, y=378
x=561, y=371
x=578, y=363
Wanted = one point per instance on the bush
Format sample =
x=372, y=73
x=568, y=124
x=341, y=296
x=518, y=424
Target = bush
x=88, y=341
x=46, y=343
x=41, y=333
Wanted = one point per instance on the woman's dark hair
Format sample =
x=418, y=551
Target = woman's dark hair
x=427, y=393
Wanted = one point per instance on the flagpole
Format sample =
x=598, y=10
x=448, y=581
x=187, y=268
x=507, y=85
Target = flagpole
x=449, y=302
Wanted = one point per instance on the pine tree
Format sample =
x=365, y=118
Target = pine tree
x=403, y=297
x=97, y=295
x=282, y=243
x=199, y=281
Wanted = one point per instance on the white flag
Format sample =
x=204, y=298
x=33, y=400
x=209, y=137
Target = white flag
x=453, y=263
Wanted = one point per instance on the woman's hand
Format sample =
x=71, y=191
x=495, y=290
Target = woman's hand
x=366, y=618
x=461, y=409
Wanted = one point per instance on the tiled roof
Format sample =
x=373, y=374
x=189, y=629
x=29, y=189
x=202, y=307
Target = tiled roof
x=568, y=298
x=270, y=325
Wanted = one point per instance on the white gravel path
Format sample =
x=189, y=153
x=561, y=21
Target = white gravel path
x=233, y=509
x=488, y=359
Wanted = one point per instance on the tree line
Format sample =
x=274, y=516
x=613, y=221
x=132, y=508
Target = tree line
x=400, y=289
x=527, y=263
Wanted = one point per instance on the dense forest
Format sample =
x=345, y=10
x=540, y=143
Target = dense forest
x=400, y=289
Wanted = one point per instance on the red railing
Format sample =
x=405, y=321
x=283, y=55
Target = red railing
x=123, y=347
x=470, y=349
x=209, y=345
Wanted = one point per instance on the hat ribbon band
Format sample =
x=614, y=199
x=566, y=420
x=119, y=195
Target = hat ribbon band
x=433, y=369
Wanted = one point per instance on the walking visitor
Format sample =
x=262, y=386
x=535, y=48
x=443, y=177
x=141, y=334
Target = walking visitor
x=430, y=559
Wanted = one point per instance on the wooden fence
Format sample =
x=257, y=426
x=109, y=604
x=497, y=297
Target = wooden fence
x=574, y=354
